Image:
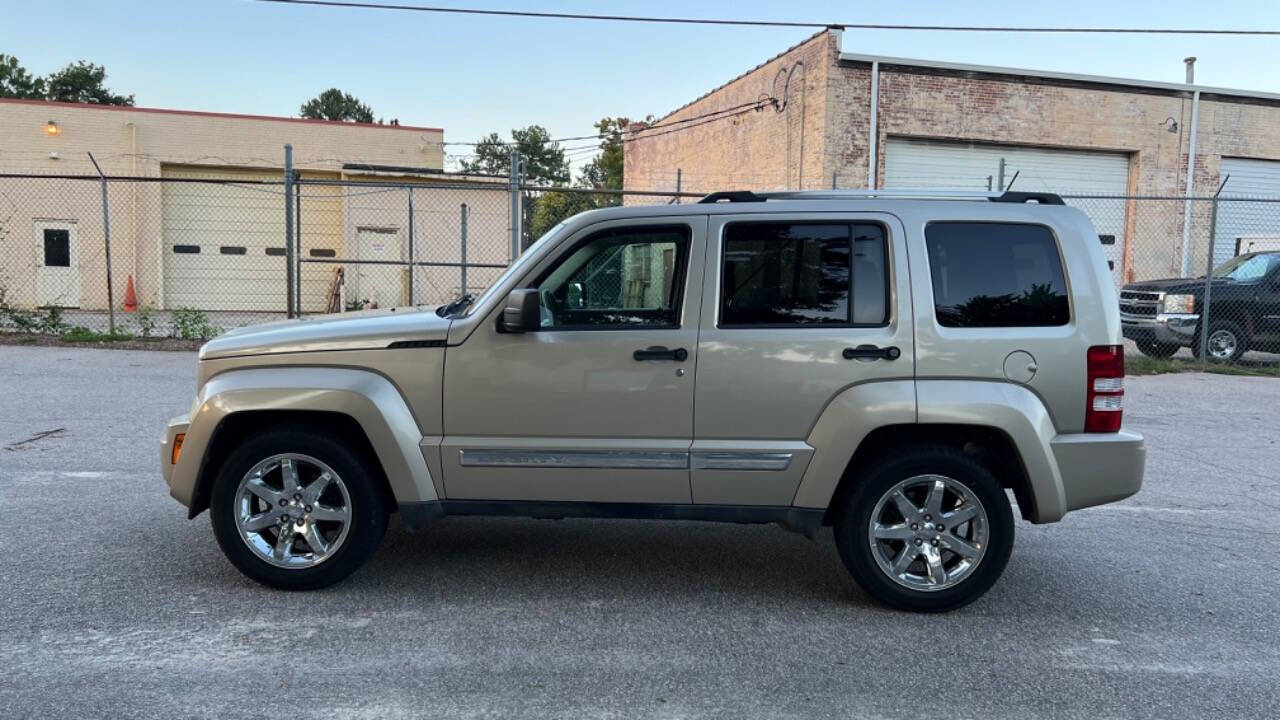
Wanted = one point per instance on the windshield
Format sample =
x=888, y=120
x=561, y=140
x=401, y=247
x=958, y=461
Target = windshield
x=1247, y=267
x=516, y=267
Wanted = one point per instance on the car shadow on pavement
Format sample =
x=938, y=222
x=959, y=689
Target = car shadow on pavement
x=567, y=560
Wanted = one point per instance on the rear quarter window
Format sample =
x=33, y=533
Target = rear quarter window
x=996, y=275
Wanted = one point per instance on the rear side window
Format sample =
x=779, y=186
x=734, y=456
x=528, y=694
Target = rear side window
x=996, y=275
x=803, y=274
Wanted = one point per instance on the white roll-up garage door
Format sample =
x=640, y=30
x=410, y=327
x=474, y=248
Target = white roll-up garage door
x=911, y=162
x=223, y=244
x=1242, y=225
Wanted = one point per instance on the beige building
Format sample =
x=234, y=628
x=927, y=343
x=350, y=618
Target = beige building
x=202, y=225
x=836, y=118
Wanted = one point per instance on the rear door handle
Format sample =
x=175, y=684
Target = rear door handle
x=871, y=352
x=658, y=352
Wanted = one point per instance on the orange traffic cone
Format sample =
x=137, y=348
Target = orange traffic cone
x=130, y=297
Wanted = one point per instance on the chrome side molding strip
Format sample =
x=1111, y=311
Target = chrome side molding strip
x=626, y=459
x=707, y=460
x=605, y=459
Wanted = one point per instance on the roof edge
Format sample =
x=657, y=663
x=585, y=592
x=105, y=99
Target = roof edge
x=847, y=57
x=207, y=113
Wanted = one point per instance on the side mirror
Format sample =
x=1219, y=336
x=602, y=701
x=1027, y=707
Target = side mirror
x=522, y=312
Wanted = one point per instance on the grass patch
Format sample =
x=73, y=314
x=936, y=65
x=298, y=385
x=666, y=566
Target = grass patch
x=1142, y=365
x=79, y=334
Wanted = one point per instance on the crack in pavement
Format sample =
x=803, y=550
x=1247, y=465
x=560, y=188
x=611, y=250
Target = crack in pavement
x=56, y=432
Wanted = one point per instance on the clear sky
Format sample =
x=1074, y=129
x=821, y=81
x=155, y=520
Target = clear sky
x=472, y=75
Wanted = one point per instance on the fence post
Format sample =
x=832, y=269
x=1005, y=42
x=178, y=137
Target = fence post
x=833, y=181
x=297, y=247
x=515, y=204
x=411, y=303
x=106, y=235
x=679, y=184
x=288, y=229
x=1205, y=327
x=464, y=250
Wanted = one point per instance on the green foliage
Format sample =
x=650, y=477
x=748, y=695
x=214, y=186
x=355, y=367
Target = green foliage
x=192, y=324
x=543, y=161
x=333, y=104
x=145, y=319
x=1142, y=365
x=16, y=82
x=80, y=333
x=83, y=82
x=52, y=322
x=12, y=317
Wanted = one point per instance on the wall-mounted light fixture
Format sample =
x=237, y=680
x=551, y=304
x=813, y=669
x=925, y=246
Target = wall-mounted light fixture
x=51, y=128
x=1170, y=124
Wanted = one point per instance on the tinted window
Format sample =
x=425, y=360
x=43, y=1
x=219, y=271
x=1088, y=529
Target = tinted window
x=996, y=275
x=624, y=278
x=57, y=248
x=803, y=274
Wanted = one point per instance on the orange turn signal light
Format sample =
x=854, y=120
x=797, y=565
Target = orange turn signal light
x=177, y=447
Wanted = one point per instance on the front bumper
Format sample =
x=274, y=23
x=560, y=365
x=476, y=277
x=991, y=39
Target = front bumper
x=175, y=426
x=1099, y=468
x=1164, y=328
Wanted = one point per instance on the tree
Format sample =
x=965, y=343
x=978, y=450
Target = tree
x=543, y=160
x=333, y=104
x=16, y=82
x=83, y=82
x=603, y=172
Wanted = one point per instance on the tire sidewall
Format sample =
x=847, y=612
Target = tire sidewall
x=368, y=517
x=853, y=527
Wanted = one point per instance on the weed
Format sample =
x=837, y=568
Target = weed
x=192, y=324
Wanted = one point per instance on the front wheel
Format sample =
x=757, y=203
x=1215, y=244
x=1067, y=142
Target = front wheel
x=927, y=528
x=295, y=510
x=1227, y=342
x=1157, y=350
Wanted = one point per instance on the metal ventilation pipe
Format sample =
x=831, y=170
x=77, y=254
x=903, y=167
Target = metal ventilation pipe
x=1191, y=69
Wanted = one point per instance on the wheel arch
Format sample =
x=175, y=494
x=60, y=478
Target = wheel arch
x=356, y=404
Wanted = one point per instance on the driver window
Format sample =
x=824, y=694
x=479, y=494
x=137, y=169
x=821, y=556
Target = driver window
x=624, y=278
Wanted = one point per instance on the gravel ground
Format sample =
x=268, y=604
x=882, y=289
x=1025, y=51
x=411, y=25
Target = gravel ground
x=115, y=605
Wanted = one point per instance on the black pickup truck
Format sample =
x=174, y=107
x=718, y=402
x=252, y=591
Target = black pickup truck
x=1162, y=316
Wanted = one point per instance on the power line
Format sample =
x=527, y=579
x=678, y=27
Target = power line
x=771, y=23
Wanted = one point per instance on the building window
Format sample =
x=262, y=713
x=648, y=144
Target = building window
x=996, y=275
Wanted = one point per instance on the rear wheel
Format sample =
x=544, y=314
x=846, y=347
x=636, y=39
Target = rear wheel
x=1157, y=350
x=927, y=528
x=296, y=511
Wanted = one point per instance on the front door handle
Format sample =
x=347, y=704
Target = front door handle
x=871, y=352
x=658, y=352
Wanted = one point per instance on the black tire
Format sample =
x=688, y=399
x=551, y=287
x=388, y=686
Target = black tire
x=853, y=531
x=368, y=507
x=1158, y=350
x=1241, y=339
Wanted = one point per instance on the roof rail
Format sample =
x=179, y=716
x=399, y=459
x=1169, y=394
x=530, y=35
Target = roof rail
x=1009, y=196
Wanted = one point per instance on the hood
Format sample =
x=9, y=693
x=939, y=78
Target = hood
x=1178, y=286
x=364, y=330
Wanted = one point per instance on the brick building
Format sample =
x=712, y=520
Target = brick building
x=218, y=246
x=828, y=118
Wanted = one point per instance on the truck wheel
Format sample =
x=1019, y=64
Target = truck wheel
x=296, y=510
x=927, y=528
x=1157, y=350
x=1227, y=342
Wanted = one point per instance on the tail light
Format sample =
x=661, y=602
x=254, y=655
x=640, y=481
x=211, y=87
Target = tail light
x=1105, y=399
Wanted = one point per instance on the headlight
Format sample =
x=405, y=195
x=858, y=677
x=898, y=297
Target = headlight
x=1178, y=304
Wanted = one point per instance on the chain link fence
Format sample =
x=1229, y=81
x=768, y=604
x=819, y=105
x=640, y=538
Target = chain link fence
x=193, y=252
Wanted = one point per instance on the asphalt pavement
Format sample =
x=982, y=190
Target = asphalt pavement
x=113, y=604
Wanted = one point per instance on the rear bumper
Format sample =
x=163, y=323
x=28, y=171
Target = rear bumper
x=1165, y=329
x=1099, y=468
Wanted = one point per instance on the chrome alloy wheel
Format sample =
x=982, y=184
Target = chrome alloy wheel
x=928, y=532
x=293, y=511
x=1222, y=344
